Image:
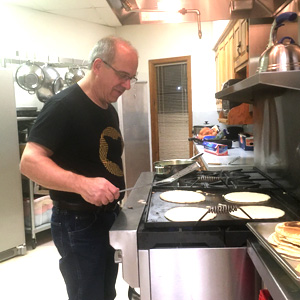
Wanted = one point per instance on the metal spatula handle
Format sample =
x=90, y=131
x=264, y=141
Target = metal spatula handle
x=193, y=167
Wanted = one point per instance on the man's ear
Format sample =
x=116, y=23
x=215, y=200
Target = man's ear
x=97, y=64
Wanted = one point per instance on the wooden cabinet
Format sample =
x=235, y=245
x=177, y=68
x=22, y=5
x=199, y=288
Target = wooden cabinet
x=231, y=52
x=231, y=56
x=224, y=61
x=241, y=44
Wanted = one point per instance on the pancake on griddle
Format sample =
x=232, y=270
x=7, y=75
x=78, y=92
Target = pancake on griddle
x=188, y=214
x=246, y=197
x=179, y=196
x=258, y=212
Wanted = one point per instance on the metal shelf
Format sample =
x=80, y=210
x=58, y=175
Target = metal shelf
x=271, y=83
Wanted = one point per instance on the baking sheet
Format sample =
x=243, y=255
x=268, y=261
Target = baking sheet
x=262, y=231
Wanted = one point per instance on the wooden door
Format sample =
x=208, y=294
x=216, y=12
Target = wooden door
x=174, y=139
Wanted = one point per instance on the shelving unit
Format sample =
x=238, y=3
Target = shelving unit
x=30, y=189
x=33, y=229
x=271, y=83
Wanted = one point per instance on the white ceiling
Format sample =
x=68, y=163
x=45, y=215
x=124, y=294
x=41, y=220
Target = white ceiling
x=95, y=11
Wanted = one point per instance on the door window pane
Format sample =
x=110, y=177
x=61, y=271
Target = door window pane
x=172, y=107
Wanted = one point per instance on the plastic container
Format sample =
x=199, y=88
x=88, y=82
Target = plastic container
x=42, y=211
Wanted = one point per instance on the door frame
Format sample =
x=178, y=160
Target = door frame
x=153, y=100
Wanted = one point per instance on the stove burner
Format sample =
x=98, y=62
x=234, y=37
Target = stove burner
x=224, y=179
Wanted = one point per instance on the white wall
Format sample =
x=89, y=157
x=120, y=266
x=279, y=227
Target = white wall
x=45, y=34
x=171, y=40
x=39, y=35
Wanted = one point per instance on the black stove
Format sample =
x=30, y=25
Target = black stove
x=224, y=230
x=224, y=179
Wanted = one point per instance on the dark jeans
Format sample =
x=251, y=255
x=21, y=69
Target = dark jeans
x=87, y=260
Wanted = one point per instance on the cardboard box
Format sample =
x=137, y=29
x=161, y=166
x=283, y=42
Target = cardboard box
x=216, y=149
x=246, y=141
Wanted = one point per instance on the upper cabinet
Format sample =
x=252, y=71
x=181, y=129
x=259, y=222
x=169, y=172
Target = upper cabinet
x=224, y=61
x=232, y=53
x=231, y=57
x=241, y=44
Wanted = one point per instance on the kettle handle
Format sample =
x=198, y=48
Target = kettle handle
x=287, y=16
x=278, y=22
x=286, y=38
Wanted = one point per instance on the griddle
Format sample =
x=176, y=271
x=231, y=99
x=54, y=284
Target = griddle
x=156, y=231
x=156, y=209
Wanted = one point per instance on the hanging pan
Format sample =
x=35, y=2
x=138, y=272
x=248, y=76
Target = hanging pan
x=30, y=77
x=52, y=84
x=74, y=75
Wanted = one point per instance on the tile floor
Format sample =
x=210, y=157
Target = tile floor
x=36, y=276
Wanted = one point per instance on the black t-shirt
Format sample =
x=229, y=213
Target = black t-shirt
x=84, y=138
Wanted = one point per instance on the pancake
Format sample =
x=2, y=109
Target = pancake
x=246, y=197
x=289, y=231
x=179, y=196
x=258, y=212
x=286, y=249
x=188, y=214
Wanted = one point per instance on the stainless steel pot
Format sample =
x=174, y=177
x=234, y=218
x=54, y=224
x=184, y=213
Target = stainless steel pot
x=172, y=166
x=74, y=75
x=281, y=56
x=30, y=77
x=52, y=84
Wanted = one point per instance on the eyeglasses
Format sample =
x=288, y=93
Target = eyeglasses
x=122, y=75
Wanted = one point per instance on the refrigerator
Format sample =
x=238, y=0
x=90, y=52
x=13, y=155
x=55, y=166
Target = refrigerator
x=134, y=114
x=12, y=231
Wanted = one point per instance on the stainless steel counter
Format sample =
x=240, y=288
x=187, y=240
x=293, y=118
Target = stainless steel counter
x=215, y=163
x=123, y=234
x=275, y=278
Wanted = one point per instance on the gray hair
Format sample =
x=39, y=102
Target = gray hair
x=106, y=49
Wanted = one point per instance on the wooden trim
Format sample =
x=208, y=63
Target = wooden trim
x=153, y=100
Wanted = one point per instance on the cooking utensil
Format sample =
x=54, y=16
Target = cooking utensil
x=218, y=209
x=222, y=209
x=280, y=56
x=233, y=160
x=172, y=166
x=52, y=84
x=74, y=75
x=30, y=77
x=193, y=167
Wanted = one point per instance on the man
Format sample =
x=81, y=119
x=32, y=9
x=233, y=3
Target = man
x=74, y=149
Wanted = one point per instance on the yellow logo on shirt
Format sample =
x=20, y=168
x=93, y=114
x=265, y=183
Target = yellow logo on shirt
x=112, y=167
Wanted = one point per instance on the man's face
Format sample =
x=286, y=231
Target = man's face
x=111, y=81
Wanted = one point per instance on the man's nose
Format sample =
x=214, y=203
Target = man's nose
x=126, y=84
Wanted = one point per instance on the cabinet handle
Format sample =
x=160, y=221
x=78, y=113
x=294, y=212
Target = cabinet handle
x=238, y=48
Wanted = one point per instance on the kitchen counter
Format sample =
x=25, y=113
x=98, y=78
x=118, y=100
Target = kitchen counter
x=215, y=163
x=276, y=279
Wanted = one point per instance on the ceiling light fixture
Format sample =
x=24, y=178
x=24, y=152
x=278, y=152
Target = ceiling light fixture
x=164, y=12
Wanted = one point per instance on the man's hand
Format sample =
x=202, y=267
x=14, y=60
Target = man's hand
x=98, y=191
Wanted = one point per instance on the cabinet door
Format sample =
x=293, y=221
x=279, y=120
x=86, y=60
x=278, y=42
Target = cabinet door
x=224, y=61
x=241, y=43
x=220, y=66
x=229, y=62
